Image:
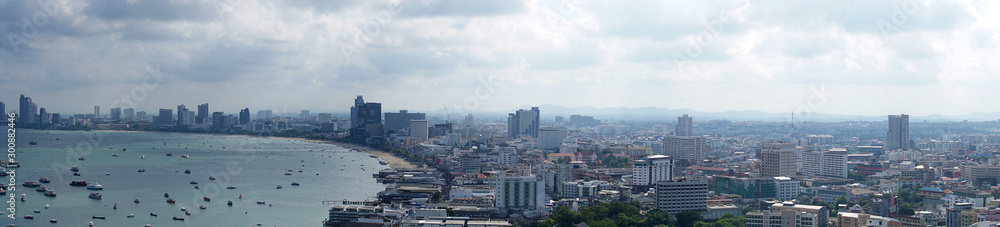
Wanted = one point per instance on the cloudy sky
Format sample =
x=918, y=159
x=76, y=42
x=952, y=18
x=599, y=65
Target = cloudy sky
x=838, y=57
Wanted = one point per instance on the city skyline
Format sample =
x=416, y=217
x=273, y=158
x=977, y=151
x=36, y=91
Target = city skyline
x=933, y=58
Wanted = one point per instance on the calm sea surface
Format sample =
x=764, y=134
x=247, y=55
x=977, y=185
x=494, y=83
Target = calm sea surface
x=255, y=166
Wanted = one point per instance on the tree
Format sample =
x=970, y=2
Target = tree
x=905, y=209
x=683, y=163
x=841, y=200
x=658, y=217
x=688, y=218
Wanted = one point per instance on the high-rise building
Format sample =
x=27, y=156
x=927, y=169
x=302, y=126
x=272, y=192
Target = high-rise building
x=651, y=169
x=898, y=136
x=517, y=192
x=551, y=138
x=366, y=118
x=264, y=114
x=166, y=118
x=116, y=113
x=583, y=121
x=684, y=147
x=245, y=116
x=832, y=163
x=785, y=188
x=400, y=122
x=129, y=114
x=684, y=126
x=326, y=117
x=778, y=160
x=28, y=110
x=469, y=121
x=304, y=115
x=55, y=118
x=523, y=122
x=181, y=113
x=42, y=114
x=97, y=112
x=203, y=114
x=683, y=194
x=219, y=120
x=419, y=129
x=3, y=111
x=141, y=115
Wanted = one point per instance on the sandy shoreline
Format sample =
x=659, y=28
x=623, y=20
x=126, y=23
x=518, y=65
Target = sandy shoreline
x=395, y=162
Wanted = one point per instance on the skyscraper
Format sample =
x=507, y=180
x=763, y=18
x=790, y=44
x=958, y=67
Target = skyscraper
x=202, y=114
x=166, y=118
x=218, y=121
x=129, y=114
x=28, y=111
x=520, y=193
x=400, y=122
x=41, y=116
x=181, y=113
x=366, y=118
x=245, y=116
x=325, y=117
x=97, y=112
x=898, y=136
x=304, y=115
x=778, y=160
x=418, y=129
x=116, y=113
x=684, y=147
x=651, y=169
x=3, y=111
x=684, y=126
x=523, y=122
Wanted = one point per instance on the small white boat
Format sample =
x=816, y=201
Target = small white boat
x=130, y=215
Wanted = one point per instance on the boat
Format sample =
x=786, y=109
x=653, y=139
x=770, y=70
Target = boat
x=295, y=183
x=32, y=142
x=170, y=200
x=184, y=209
x=230, y=187
x=211, y=178
x=24, y=197
x=185, y=156
x=95, y=186
x=115, y=207
x=206, y=198
x=78, y=183
x=382, y=162
x=76, y=174
x=95, y=195
x=13, y=164
x=166, y=195
x=44, y=180
x=74, y=169
x=194, y=182
x=97, y=217
x=202, y=207
x=279, y=187
x=187, y=171
x=142, y=170
x=41, y=189
x=152, y=214
x=114, y=155
x=136, y=200
x=178, y=218
x=170, y=154
x=36, y=211
x=29, y=217
x=143, y=157
x=187, y=212
x=261, y=202
x=288, y=174
x=81, y=158
x=124, y=149
x=196, y=187
x=52, y=221
x=230, y=203
x=50, y=193
x=130, y=215
x=31, y=184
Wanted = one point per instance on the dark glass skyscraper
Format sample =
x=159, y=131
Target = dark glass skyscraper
x=202, y=114
x=401, y=121
x=28, y=111
x=366, y=117
x=245, y=116
x=898, y=136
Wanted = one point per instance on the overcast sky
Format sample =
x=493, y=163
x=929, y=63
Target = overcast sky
x=838, y=57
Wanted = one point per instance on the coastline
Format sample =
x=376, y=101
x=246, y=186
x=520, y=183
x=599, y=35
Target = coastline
x=395, y=162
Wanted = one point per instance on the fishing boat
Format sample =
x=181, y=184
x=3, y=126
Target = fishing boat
x=49, y=193
x=279, y=187
x=206, y=198
x=261, y=202
x=152, y=214
x=136, y=200
x=230, y=203
x=32, y=142
x=29, y=217
x=170, y=200
x=31, y=184
x=78, y=183
x=24, y=197
x=295, y=183
x=287, y=174
x=178, y=218
x=76, y=174
x=202, y=207
x=211, y=178
x=44, y=180
x=114, y=155
x=41, y=189
x=170, y=154
x=130, y=216
x=142, y=170
x=97, y=217
x=81, y=158
x=193, y=182
x=188, y=171
x=74, y=169
x=166, y=195
x=52, y=221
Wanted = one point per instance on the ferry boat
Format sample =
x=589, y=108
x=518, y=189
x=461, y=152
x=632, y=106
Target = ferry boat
x=31, y=184
x=95, y=186
x=49, y=193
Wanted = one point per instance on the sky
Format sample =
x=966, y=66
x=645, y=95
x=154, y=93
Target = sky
x=835, y=57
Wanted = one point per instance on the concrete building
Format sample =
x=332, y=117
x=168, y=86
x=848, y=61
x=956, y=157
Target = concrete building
x=782, y=219
x=400, y=122
x=651, y=169
x=520, y=193
x=954, y=214
x=683, y=194
x=831, y=163
x=116, y=113
x=551, y=138
x=846, y=219
x=324, y=117
x=129, y=114
x=166, y=118
x=819, y=212
x=366, y=119
x=778, y=159
x=785, y=188
x=684, y=147
x=684, y=126
x=523, y=122
x=898, y=136
x=418, y=129
x=581, y=189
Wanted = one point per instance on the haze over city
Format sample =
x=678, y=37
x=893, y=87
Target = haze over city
x=865, y=58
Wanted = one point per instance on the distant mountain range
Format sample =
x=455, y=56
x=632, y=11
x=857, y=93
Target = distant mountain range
x=666, y=114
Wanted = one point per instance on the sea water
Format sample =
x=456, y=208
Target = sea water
x=254, y=165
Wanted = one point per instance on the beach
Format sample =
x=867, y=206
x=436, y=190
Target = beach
x=395, y=162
